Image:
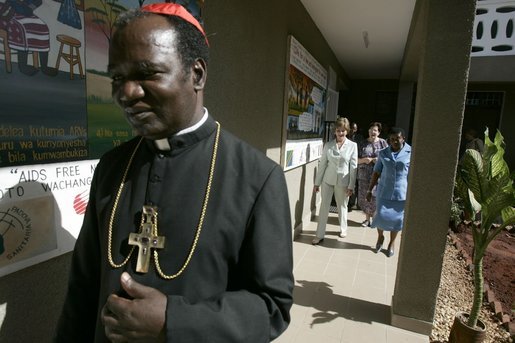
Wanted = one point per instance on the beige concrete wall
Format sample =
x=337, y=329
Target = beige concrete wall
x=300, y=183
x=246, y=78
x=31, y=300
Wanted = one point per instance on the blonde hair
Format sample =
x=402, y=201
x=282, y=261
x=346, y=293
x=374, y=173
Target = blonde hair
x=343, y=122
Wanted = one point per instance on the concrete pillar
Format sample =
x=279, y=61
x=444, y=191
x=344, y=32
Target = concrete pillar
x=442, y=84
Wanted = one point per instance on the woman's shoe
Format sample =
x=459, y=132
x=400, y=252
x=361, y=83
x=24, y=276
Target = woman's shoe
x=379, y=244
x=365, y=223
x=390, y=253
x=317, y=241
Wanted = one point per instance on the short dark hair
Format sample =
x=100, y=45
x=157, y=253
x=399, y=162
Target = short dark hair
x=396, y=130
x=191, y=43
x=376, y=123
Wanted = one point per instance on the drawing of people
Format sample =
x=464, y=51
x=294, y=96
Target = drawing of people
x=26, y=33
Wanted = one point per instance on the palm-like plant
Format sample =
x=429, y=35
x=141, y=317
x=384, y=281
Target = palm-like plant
x=485, y=185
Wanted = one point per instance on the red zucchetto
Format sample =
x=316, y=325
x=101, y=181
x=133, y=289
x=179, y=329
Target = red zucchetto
x=176, y=10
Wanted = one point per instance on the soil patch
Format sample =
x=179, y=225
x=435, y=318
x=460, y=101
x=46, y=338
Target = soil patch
x=498, y=264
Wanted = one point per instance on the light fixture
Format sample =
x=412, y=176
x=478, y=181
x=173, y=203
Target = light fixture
x=365, y=39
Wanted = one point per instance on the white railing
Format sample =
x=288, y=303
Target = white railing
x=494, y=28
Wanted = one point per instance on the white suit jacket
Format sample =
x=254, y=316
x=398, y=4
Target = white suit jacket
x=338, y=167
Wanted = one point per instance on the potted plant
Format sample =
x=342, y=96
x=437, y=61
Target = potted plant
x=485, y=187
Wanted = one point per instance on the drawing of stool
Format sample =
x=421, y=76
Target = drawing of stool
x=7, y=50
x=70, y=57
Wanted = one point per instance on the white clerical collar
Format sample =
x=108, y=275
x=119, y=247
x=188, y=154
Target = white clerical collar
x=194, y=127
x=164, y=145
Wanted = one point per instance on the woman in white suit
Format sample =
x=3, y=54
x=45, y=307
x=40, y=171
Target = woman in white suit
x=336, y=173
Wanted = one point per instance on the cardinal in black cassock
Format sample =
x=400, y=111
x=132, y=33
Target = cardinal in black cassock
x=220, y=205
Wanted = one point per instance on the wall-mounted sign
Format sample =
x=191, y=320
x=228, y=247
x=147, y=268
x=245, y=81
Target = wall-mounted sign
x=305, y=103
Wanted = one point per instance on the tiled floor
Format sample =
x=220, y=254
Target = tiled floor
x=343, y=289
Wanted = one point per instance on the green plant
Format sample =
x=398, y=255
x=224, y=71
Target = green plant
x=485, y=185
x=456, y=211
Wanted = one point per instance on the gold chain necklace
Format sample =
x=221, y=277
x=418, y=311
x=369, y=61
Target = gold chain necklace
x=199, y=226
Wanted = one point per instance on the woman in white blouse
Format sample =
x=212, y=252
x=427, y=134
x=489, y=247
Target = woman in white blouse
x=336, y=173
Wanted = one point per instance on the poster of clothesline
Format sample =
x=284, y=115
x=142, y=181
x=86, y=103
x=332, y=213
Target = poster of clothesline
x=306, y=94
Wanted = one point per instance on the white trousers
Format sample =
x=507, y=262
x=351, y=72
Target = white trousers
x=340, y=195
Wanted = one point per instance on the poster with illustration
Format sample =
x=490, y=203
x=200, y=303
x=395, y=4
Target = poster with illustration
x=57, y=118
x=305, y=107
x=41, y=211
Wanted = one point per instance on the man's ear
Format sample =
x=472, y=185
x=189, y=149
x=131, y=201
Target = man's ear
x=199, y=74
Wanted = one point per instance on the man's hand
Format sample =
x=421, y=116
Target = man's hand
x=140, y=319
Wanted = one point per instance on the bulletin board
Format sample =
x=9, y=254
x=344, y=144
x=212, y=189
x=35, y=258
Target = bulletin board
x=305, y=102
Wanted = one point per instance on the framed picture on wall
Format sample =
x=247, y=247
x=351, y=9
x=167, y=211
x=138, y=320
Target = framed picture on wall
x=304, y=107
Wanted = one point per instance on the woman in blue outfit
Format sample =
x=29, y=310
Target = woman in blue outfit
x=391, y=176
x=336, y=173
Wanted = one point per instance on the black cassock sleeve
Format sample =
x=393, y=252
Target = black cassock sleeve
x=259, y=311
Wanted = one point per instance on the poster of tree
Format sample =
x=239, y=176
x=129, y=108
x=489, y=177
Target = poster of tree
x=305, y=107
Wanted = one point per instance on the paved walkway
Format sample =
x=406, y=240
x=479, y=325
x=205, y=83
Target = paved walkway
x=343, y=290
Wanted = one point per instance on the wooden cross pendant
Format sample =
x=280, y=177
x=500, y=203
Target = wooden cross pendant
x=147, y=238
